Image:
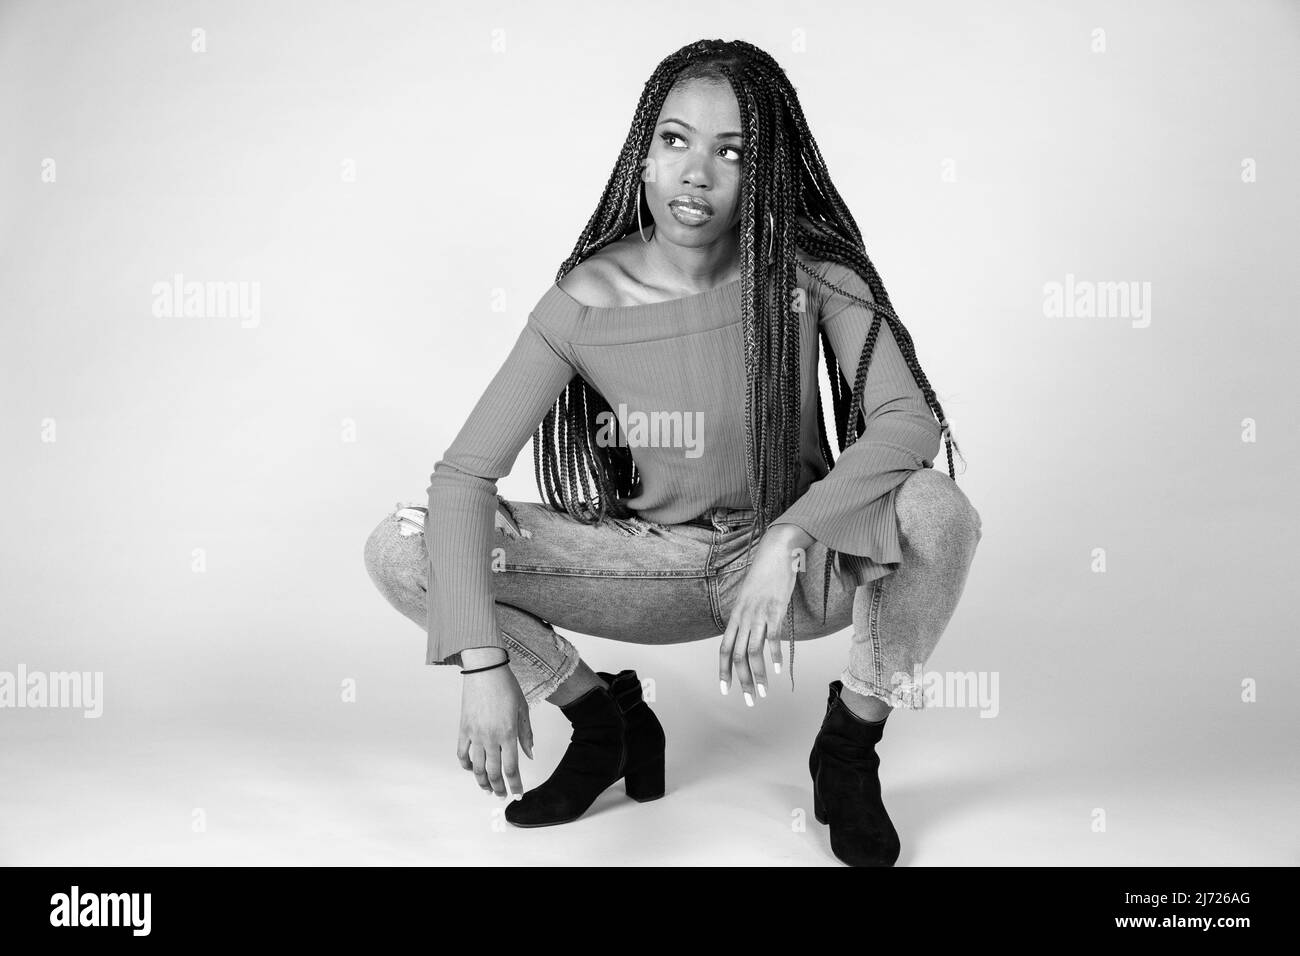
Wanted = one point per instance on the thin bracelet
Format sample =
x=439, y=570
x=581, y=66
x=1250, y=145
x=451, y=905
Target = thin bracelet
x=489, y=667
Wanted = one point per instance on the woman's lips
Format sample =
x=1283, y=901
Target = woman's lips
x=690, y=212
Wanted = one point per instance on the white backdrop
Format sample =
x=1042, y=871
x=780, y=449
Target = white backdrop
x=188, y=496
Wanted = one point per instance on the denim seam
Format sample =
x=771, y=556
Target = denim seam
x=525, y=651
x=734, y=568
x=711, y=581
x=549, y=686
x=555, y=677
x=713, y=547
x=715, y=605
x=600, y=572
x=874, y=616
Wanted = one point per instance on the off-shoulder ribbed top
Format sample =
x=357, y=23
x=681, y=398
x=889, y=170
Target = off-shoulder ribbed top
x=685, y=356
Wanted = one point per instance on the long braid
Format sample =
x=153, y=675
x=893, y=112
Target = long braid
x=788, y=205
x=784, y=184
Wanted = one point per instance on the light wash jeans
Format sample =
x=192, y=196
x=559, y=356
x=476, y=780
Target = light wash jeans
x=646, y=583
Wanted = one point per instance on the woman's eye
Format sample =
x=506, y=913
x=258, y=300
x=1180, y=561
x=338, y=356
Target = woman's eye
x=668, y=137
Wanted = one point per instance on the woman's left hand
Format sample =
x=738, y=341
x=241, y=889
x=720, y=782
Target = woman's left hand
x=760, y=609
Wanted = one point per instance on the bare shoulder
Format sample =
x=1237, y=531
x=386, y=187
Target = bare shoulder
x=585, y=284
x=598, y=280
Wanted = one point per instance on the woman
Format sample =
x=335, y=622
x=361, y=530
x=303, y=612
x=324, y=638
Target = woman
x=682, y=454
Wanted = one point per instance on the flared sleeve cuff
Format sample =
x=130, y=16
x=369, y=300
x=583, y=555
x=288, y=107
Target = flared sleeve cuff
x=460, y=528
x=852, y=509
x=460, y=534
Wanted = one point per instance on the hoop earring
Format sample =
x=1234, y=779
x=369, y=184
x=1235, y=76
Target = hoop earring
x=639, y=189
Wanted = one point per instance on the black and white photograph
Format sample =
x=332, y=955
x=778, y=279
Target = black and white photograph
x=685, y=435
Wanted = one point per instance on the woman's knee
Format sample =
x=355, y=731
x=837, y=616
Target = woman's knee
x=935, y=516
x=389, y=548
x=377, y=546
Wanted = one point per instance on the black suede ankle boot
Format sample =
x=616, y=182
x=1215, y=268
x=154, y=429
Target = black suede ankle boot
x=846, y=786
x=615, y=736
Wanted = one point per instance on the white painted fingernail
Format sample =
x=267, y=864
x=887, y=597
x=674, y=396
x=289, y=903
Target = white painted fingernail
x=762, y=691
x=777, y=665
x=722, y=685
x=748, y=699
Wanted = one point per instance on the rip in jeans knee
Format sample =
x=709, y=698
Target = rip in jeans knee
x=634, y=524
x=410, y=519
x=507, y=522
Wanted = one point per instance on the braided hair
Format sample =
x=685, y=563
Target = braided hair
x=788, y=204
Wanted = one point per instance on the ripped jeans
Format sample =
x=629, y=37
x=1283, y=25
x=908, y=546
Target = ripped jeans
x=638, y=582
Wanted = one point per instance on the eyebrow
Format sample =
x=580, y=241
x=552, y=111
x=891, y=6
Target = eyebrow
x=693, y=129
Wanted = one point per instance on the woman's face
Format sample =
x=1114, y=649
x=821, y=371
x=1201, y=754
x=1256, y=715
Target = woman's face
x=693, y=172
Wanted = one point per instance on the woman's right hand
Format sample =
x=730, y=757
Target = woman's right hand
x=493, y=725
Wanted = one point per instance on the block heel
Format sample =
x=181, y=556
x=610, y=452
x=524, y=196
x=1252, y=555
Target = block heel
x=647, y=782
x=613, y=728
x=845, y=771
x=814, y=764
